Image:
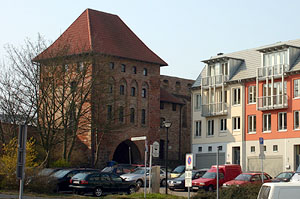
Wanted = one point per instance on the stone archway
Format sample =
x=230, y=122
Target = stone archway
x=127, y=152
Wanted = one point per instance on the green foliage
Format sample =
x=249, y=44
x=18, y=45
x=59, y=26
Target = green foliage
x=8, y=162
x=249, y=191
x=61, y=163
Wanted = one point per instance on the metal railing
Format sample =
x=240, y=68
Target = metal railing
x=214, y=109
x=272, y=102
x=214, y=80
x=274, y=70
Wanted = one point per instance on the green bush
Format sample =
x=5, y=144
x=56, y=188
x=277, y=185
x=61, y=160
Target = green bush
x=249, y=191
x=61, y=163
x=41, y=184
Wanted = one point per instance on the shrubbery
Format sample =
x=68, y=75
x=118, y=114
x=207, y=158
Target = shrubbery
x=249, y=191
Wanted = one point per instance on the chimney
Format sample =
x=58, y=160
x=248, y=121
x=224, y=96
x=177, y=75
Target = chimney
x=220, y=54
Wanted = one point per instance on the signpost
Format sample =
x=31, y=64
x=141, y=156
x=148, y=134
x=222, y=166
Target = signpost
x=262, y=157
x=21, y=157
x=155, y=149
x=188, y=172
x=146, y=150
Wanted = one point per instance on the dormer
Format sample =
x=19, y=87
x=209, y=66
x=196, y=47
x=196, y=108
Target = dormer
x=276, y=60
x=219, y=69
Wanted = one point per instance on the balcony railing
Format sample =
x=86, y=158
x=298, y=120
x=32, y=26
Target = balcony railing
x=214, y=109
x=279, y=102
x=214, y=80
x=269, y=71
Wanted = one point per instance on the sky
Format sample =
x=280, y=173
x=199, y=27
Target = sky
x=182, y=33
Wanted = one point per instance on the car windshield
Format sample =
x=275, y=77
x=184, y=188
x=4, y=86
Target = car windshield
x=243, y=177
x=140, y=171
x=80, y=175
x=60, y=173
x=211, y=175
x=179, y=169
x=284, y=175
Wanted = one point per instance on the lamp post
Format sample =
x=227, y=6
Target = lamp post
x=167, y=124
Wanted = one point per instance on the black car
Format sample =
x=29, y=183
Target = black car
x=101, y=183
x=179, y=183
x=120, y=169
x=62, y=177
x=284, y=176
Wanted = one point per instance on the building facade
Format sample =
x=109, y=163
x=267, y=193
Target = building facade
x=263, y=90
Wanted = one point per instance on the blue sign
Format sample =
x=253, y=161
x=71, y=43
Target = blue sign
x=189, y=160
x=261, y=140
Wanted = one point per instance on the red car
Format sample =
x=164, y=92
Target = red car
x=246, y=178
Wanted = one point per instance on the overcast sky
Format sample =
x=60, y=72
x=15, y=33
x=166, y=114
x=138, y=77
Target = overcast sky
x=182, y=33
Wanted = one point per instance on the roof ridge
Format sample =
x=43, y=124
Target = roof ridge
x=89, y=28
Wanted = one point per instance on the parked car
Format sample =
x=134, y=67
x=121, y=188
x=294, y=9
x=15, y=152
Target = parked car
x=208, y=181
x=45, y=172
x=139, y=176
x=120, y=169
x=247, y=178
x=284, y=176
x=62, y=177
x=177, y=171
x=285, y=190
x=101, y=183
x=179, y=183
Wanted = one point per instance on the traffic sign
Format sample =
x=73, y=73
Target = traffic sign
x=188, y=182
x=189, y=161
x=138, y=138
x=261, y=140
x=188, y=174
x=155, y=149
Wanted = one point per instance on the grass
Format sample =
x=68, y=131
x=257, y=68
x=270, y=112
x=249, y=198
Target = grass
x=141, y=195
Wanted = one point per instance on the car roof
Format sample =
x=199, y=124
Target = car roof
x=285, y=184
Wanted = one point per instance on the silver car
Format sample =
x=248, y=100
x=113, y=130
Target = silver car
x=138, y=176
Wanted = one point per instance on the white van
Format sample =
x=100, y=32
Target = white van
x=281, y=190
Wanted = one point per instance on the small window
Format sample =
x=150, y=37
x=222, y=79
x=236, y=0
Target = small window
x=265, y=148
x=177, y=84
x=251, y=94
x=252, y=149
x=282, y=121
x=173, y=107
x=236, y=123
x=267, y=122
x=210, y=127
x=121, y=114
x=210, y=148
x=297, y=88
x=236, y=96
x=123, y=68
x=275, y=148
x=296, y=120
x=66, y=67
x=143, y=121
x=145, y=72
x=162, y=121
x=132, y=114
x=110, y=88
x=223, y=125
x=198, y=128
x=251, y=123
x=220, y=148
x=134, y=70
x=144, y=93
x=109, y=112
x=162, y=105
x=133, y=91
x=166, y=81
x=80, y=66
x=122, y=90
x=189, y=85
x=200, y=149
x=111, y=65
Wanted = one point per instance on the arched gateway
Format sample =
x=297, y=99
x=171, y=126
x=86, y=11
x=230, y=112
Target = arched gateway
x=127, y=152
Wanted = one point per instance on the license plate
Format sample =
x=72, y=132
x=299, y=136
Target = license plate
x=171, y=185
x=196, y=188
x=76, y=181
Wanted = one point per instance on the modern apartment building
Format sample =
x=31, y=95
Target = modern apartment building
x=262, y=101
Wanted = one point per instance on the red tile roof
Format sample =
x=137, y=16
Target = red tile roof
x=165, y=96
x=95, y=31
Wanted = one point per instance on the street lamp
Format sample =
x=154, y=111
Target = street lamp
x=167, y=125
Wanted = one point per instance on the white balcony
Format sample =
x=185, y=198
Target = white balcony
x=271, y=71
x=272, y=102
x=213, y=80
x=214, y=109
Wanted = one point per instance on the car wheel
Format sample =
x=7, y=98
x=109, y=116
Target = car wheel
x=131, y=190
x=210, y=188
x=163, y=182
x=98, y=192
x=139, y=183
